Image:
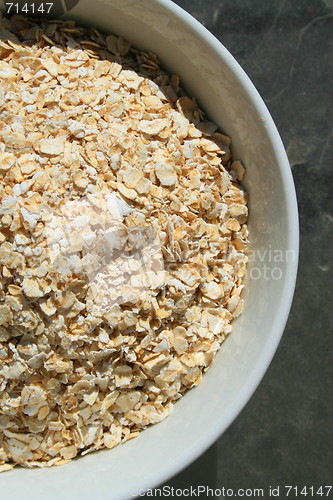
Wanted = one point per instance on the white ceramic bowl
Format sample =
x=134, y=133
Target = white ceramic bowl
x=223, y=90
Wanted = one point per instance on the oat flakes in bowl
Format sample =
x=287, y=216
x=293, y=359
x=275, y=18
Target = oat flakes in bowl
x=103, y=156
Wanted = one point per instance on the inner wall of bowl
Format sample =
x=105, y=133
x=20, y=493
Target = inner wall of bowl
x=208, y=72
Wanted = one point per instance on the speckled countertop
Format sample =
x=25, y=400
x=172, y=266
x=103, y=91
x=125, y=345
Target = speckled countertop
x=284, y=436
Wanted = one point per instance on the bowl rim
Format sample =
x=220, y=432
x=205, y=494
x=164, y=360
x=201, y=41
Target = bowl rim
x=208, y=438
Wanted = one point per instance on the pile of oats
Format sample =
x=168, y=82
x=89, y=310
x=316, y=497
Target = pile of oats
x=82, y=114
